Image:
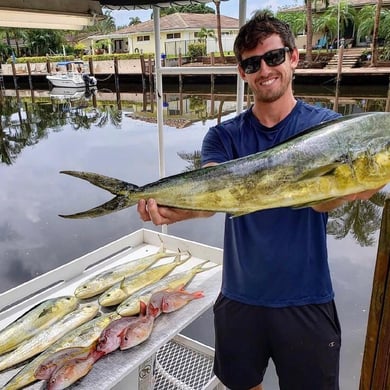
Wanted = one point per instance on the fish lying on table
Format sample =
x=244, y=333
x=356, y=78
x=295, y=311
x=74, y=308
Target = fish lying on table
x=48, y=336
x=128, y=286
x=101, y=282
x=35, y=320
x=334, y=159
x=131, y=305
x=83, y=336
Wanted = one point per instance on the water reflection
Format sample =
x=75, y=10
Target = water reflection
x=114, y=133
x=30, y=116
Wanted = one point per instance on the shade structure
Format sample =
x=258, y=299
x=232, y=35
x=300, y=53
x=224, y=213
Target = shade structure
x=42, y=14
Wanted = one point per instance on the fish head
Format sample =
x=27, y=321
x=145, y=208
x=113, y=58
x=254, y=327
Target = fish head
x=87, y=290
x=110, y=338
x=112, y=297
x=69, y=373
x=66, y=303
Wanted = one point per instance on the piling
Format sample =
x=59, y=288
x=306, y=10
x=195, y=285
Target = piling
x=30, y=83
x=375, y=373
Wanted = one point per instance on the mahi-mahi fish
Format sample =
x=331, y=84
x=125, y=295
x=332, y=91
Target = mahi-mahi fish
x=104, y=280
x=47, y=337
x=131, y=306
x=336, y=158
x=122, y=290
x=35, y=320
x=83, y=336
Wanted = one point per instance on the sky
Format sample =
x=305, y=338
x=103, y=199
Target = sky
x=228, y=8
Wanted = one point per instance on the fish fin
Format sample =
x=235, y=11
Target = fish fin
x=143, y=307
x=115, y=204
x=320, y=171
x=200, y=267
x=197, y=294
x=115, y=186
x=188, y=256
x=311, y=204
x=238, y=214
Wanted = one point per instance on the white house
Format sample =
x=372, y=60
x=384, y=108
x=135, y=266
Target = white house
x=177, y=32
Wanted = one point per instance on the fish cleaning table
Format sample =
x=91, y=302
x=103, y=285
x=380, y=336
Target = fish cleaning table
x=154, y=363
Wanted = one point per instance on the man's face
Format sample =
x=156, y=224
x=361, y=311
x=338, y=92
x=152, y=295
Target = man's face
x=273, y=80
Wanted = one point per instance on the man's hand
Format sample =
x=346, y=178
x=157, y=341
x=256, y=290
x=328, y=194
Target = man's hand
x=159, y=215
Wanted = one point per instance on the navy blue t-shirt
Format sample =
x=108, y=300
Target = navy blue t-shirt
x=275, y=257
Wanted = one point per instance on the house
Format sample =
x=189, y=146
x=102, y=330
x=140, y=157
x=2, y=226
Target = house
x=177, y=31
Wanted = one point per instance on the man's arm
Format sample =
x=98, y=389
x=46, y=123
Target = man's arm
x=333, y=204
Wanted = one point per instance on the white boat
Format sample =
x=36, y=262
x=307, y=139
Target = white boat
x=64, y=93
x=71, y=74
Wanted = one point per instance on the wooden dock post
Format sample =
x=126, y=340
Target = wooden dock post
x=375, y=373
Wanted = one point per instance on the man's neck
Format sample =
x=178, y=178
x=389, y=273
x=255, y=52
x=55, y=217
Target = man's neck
x=270, y=114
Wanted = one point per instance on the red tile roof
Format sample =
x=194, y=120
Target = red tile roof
x=180, y=21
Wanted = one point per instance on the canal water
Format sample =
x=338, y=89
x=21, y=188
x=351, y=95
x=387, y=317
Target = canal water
x=115, y=133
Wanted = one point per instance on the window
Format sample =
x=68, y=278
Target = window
x=143, y=38
x=173, y=36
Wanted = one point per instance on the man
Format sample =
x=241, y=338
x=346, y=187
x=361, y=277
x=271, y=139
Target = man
x=276, y=299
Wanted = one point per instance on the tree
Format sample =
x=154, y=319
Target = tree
x=134, y=20
x=104, y=26
x=296, y=21
x=375, y=34
x=42, y=42
x=309, y=31
x=189, y=8
x=219, y=30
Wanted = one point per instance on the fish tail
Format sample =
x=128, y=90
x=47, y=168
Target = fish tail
x=121, y=189
x=197, y=294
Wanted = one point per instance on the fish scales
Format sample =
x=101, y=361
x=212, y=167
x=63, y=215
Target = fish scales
x=336, y=158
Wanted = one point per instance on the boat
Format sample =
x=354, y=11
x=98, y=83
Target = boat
x=77, y=93
x=71, y=74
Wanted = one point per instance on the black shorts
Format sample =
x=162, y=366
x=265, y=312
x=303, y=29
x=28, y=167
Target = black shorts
x=303, y=342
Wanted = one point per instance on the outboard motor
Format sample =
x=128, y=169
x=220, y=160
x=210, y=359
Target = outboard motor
x=87, y=80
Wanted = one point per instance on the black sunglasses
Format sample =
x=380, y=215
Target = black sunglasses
x=271, y=58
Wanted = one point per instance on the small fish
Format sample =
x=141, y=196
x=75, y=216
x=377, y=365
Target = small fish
x=128, y=286
x=104, y=280
x=70, y=372
x=138, y=331
x=174, y=300
x=35, y=320
x=111, y=337
x=46, y=337
x=83, y=336
x=167, y=301
x=59, y=358
x=131, y=306
x=336, y=158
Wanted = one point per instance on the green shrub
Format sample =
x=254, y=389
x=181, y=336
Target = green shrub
x=196, y=49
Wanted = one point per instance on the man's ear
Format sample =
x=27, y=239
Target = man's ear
x=241, y=72
x=294, y=57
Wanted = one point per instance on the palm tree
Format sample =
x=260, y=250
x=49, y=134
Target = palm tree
x=375, y=34
x=219, y=30
x=205, y=33
x=296, y=21
x=309, y=31
x=134, y=20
